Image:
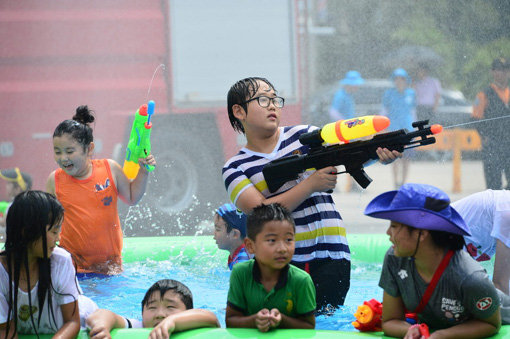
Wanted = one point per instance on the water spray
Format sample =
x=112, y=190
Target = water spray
x=163, y=67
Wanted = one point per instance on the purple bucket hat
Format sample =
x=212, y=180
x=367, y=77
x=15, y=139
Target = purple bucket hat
x=420, y=206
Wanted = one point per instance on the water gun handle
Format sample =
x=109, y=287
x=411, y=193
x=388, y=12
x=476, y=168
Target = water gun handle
x=3, y=207
x=148, y=125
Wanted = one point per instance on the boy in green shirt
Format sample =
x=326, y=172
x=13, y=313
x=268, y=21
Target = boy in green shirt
x=267, y=292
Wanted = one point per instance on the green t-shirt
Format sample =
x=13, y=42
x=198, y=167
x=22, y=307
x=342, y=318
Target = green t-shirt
x=293, y=294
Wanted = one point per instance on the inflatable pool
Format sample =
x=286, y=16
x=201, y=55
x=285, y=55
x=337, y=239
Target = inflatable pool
x=364, y=248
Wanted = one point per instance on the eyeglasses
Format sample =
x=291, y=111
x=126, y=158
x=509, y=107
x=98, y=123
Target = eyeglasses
x=19, y=179
x=264, y=101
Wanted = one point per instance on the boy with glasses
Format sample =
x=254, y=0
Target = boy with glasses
x=15, y=183
x=321, y=244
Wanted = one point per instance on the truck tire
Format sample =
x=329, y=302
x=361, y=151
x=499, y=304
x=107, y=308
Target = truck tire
x=186, y=186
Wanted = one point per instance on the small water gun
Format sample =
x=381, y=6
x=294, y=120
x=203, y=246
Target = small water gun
x=139, y=145
x=368, y=316
x=3, y=207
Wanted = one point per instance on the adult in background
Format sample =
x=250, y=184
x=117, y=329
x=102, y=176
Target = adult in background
x=399, y=105
x=343, y=106
x=428, y=93
x=492, y=103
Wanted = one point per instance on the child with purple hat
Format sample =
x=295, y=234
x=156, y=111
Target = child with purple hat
x=229, y=233
x=426, y=272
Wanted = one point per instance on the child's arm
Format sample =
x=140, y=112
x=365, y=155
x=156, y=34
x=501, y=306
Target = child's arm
x=393, y=317
x=101, y=322
x=235, y=318
x=132, y=191
x=182, y=321
x=320, y=181
x=306, y=322
x=50, y=183
x=12, y=330
x=474, y=328
x=501, y=275
x=71, y=327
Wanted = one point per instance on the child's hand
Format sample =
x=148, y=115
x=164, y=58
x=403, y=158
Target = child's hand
x=262, y=320
x=413, y=333
x=324, y=179
x=97, y=325
x=163, y=329
x=386, y=156
x=275, y=317
x=149, y=160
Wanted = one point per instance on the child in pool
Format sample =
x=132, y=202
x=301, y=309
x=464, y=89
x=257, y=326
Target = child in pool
x=267, y=292
x=15, y=183
x=229, y=233
x=427, y=236
x=88, y=190
x=38, y=275
x=167, y=306
x=254, y=109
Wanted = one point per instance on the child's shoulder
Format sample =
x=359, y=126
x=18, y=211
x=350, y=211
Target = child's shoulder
x=297, y=273
x=59, y=254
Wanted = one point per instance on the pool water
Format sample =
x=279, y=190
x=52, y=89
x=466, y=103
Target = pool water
x=208, y=279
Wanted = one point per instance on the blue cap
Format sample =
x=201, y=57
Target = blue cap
x=420, y=206
x=233, y=217
x=352, y=78
x=400, y=72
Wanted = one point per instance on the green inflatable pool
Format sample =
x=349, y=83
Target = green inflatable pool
x=364, y=247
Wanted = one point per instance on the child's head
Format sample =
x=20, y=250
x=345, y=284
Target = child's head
x=239, y=93
x=73, y=141
x=163, y=298
x=229, y=227
x=33, y=229
x=419, y=207
x=16, y=182
x=33, y=218
x=400, y=78
x=271, y=231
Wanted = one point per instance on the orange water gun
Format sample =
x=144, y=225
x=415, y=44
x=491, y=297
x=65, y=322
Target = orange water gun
x=368, y=316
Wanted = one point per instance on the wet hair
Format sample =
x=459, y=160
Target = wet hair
x=29, y=215
x=445, y=240
x=78, y=127
x=263, y=214
x=241, y=91
x=448, y=240
x=165, y=285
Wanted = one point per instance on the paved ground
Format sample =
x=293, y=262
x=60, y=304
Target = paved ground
x=440, y=174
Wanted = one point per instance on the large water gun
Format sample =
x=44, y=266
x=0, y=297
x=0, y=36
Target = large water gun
x=368, y=316
x=352, y=155
x=139, y=145
x=346, y=130
x=3, y=207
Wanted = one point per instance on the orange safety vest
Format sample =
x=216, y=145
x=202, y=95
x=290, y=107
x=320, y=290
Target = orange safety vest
x=91, y=229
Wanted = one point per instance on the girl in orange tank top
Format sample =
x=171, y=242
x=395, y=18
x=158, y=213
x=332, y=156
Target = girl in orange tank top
x=88, y=190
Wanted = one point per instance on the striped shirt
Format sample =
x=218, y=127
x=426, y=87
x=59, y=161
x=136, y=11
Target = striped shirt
x=238, y=256
x=320, y=230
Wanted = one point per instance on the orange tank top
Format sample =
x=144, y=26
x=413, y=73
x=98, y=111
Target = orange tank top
x=91, y=230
